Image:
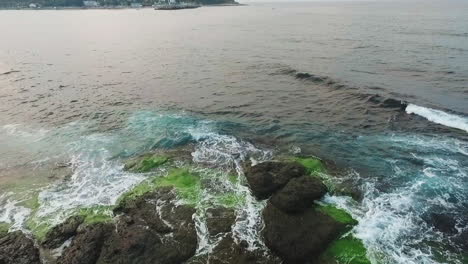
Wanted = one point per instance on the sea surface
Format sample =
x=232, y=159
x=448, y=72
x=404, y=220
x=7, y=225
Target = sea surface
x=379, y=89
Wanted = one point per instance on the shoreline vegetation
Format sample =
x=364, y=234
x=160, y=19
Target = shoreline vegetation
x=161, y=218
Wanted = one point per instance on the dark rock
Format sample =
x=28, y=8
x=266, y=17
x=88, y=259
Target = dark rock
x=227, y=251
x=62, y=232
x=299, y=194
x=153, y=230
x=87, y=245
x=220, y=220
x=150, y=229
x=267, y=177
x=443, y=222
x=16, y=248
x=299, y=238
x=303, y=75
x=393, y=103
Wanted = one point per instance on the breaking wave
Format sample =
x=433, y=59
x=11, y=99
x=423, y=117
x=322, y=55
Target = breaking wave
x=439, y=117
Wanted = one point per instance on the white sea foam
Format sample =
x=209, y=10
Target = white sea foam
x=391, y=219
x=12, y=213
x=439, y=117
x=228, y=152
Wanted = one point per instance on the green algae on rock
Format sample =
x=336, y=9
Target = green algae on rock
x=230, y=200
x=312, y=165
x=346, y=250
x=339, y=215
x=4, y=227
x=137, y=191
x=186, y=182
x=146, y=163
x=39, y=227
x=96, y=214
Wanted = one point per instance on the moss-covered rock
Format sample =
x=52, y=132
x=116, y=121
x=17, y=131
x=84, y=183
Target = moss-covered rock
x=186, y=183
x=312, y=165
x=4, y=227
x=230, y=200
x=339, y=215
x=146, y=163
x=346, y=250
x=137, y=191
x=96, y=214
x=39, y=227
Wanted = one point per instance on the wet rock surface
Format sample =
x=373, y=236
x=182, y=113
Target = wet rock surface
x=17, y=248
x=299, y=194
x=151, y=229
x=87, y=245
x=298, y=238
x=229, y=251
x=294, y=229
x=220, y=220
x=62, y=232
x=267, y=177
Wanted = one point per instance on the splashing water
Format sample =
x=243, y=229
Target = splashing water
x=97, y=175
x=393, y=221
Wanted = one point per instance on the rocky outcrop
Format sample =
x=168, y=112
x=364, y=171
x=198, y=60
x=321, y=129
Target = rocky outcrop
x=267, y=177
x=298, y=194
x=62, y=232
x=296, y=229
x=300, y=237
x=16, y=248
x=151, y=229
x=87, y=245
x=229, y=251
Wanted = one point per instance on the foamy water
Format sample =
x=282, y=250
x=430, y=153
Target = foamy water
x=439, y=117
x=428, y=174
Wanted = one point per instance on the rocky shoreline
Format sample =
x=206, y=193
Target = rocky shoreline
x=155, y=221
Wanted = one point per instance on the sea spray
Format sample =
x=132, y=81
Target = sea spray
x=394, y=221
x=439, y=117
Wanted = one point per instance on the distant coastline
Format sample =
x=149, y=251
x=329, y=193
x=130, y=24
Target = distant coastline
x=102, y=7
x=82, y=5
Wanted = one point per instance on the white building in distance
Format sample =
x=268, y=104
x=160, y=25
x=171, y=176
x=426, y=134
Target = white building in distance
x=90, y=3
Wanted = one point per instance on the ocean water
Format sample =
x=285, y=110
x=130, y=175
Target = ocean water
x=385, y=100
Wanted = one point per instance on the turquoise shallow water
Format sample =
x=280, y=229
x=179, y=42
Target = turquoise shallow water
x=405, y=179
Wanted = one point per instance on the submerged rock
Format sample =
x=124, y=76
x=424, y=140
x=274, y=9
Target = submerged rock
x=299, y=238
x=16, y=248
x=299, y=194
x=443, y=222
x=267, y=177
x=220, y=220
x=146, y=163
